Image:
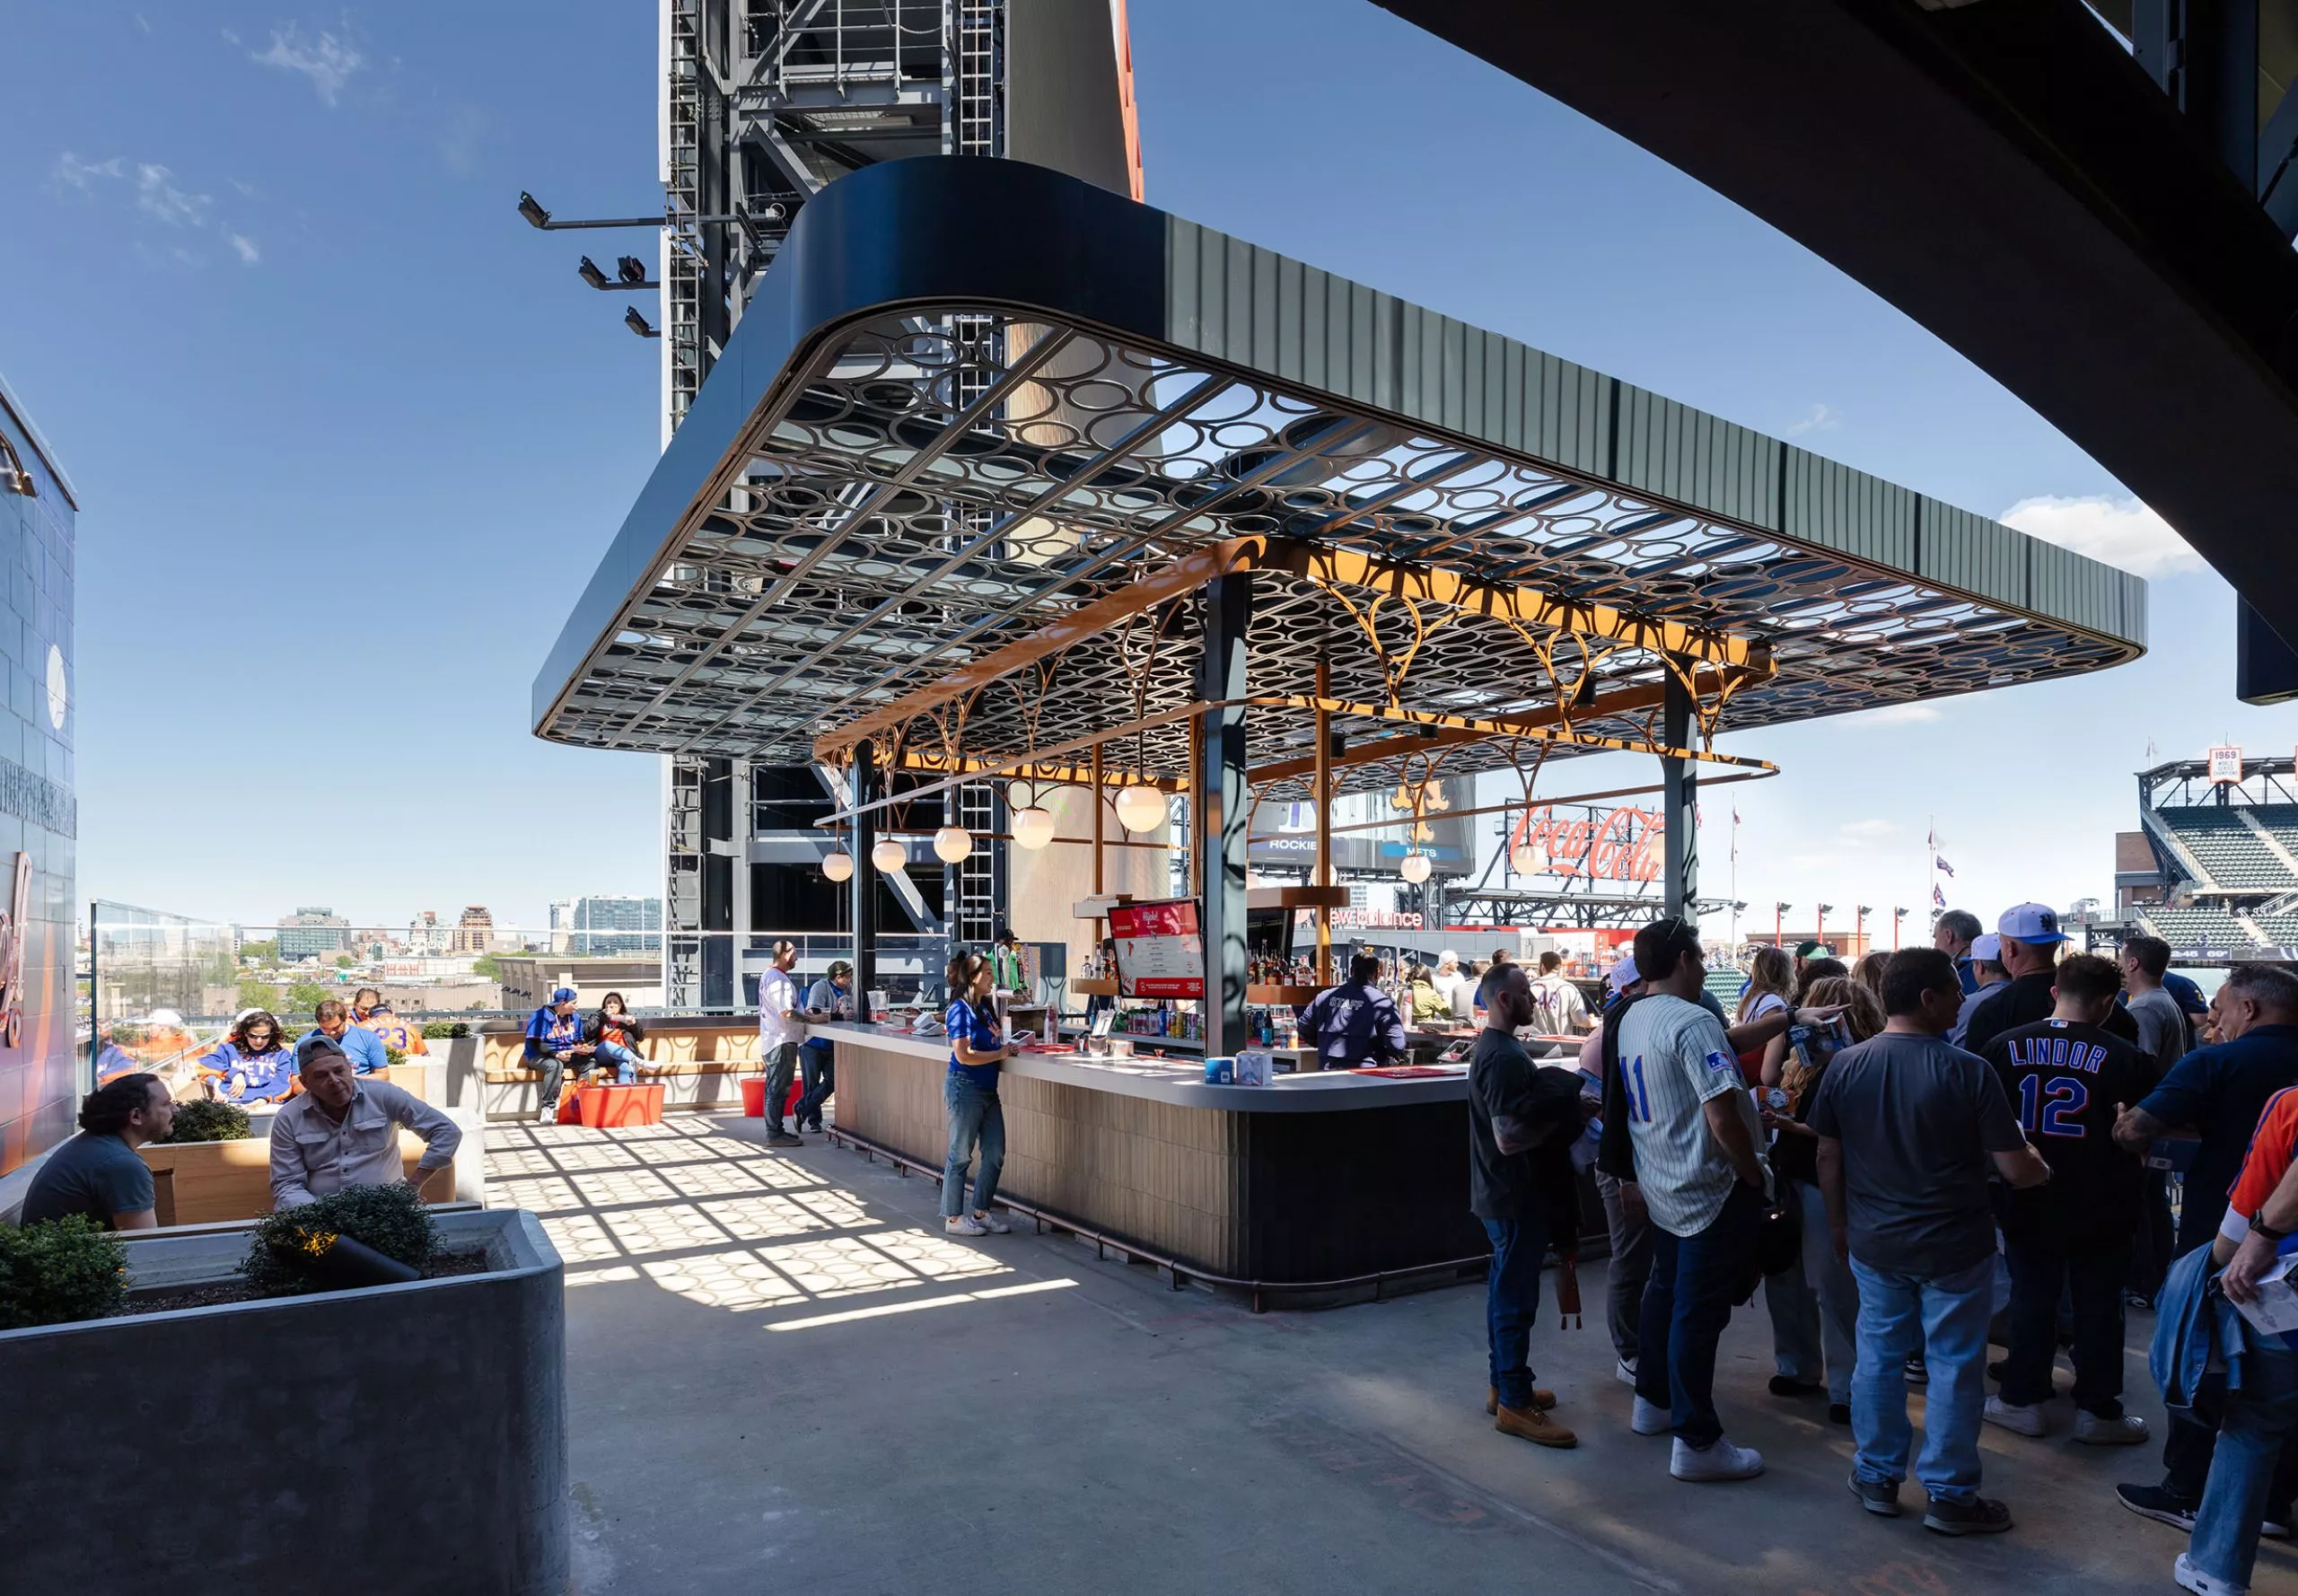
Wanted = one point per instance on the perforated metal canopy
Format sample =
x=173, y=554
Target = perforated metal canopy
x=975, y=399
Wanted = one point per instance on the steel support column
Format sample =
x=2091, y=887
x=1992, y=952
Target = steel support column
x=863, y=884
x=1679, y=800
x=1221, y=842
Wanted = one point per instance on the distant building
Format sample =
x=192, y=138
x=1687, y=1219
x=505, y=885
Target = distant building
x=607, y=927
x=425, y=937
x=528, y=980
x=474, y=933
x=313, y=933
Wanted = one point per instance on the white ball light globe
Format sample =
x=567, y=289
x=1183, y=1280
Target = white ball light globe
x=887, y=857
x=1525, y=859
x=839, y=866
x=1033, y=826
x=951, y=844
x=1140, y=808
x=1415, y=868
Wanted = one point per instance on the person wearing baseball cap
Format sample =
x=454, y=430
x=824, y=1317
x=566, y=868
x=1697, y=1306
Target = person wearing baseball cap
x=554, y=1041
x=1985, y=966
x=2029, y=939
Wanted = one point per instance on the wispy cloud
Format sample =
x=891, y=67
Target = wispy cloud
x=1896, y=715
x=158, y=198
x=1819, y=419
x=1864, y=829
x=2119, y=532
x=329, y=63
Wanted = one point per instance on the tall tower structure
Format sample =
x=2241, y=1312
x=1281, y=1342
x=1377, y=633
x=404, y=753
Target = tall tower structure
x=764, y=103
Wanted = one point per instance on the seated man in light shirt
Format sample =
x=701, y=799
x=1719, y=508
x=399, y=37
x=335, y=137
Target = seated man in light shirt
x=343, y=1131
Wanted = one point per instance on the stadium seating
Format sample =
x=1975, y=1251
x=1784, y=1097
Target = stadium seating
x=2236, y=857
x=2192, y=926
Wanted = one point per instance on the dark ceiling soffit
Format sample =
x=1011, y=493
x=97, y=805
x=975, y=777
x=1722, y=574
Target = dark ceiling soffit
x=2004, y=173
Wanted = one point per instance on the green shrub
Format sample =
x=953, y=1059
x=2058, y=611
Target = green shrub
x=445, y=1030
x=202, y=1121
x=391, y=1219
x=393, y=1056
x=58, y=1271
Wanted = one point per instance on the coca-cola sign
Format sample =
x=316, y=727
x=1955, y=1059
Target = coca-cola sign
x=1614, y=844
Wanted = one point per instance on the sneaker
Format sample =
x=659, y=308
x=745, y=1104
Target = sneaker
x=783, y=1138
x=1917, y=1372
x=1649, y=1418
x=1625, y=1372
x=2191, y=1578
x=1787, y=1385
x=964, y=1224
x=1542, y=1400
x=2125, y=1430
x=1878, y=1496
x=1980, y=1516
x=992, y=1221
x=1530, y=1424
x=1723, y=1460
x=1995, y=1370
x=1839, y=1413
x=2022, y=1420
x=2270, y=1529
x=2153, y=1502
x=2138, y=1299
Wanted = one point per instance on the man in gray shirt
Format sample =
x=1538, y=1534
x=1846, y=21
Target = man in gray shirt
x=1909, y=1127
x=343, y=1131
x=2161, y=1023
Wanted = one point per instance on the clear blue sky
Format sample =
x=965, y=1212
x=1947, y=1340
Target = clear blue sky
x=350, y=435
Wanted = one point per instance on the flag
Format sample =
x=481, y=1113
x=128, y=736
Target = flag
x=1942, y=864
x=1938, y=898
x=1735, y=833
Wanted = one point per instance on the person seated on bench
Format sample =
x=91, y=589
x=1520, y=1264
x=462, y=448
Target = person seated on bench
x=98, y=1172
x=343, y=1130
x=252, y=1065
x=557, y=1043
x=392, y=1030
x=363, y=1047
x=614, y=1034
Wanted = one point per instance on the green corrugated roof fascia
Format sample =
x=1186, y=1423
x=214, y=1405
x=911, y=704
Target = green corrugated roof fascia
x=1235, y=302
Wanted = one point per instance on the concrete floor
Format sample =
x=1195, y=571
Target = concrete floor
x=781, y=1375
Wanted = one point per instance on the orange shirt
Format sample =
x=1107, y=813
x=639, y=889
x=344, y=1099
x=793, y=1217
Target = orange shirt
x=2264, y=1165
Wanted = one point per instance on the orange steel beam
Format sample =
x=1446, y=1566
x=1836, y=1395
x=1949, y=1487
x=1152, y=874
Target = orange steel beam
x=1526, y=606
x=1512, y=726
x=1023, y=769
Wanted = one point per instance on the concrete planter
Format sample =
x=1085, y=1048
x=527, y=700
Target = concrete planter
x=403, y=1438
x=458, y=1072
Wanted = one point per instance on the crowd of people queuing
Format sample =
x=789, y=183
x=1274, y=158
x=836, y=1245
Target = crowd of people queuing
x=1941, y=1150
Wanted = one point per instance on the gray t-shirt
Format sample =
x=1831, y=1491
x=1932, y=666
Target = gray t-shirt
x=98, y=1175
x=2162, y=1028
x=1917, y=1119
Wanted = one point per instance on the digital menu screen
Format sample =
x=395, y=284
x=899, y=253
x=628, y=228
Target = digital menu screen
x=1159, y=951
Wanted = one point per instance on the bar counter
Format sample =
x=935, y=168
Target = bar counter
x=1315, y=1179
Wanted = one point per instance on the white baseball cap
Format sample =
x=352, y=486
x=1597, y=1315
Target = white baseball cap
x=2029, y=922
x=1623, y=974
x=1986, y=949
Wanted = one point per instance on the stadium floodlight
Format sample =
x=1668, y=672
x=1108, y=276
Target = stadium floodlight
x=631, y=272
x=638, y=323
x=532, y=211
x=590, y=273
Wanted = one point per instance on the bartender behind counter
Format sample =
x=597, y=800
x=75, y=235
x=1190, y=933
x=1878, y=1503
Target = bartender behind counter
x=1356, y=1023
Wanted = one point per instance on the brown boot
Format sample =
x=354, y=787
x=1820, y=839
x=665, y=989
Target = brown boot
x=1534, y=1426
x=1542, y=1399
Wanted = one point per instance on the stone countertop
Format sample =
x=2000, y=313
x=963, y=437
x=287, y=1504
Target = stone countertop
x=1180, y=1081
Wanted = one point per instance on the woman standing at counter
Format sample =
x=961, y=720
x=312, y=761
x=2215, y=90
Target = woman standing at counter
x=971, y=1093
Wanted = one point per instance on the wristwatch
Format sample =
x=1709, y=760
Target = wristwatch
x=2259, y=1227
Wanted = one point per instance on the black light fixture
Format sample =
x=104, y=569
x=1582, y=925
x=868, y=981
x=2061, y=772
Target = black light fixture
x=532, y=211
x=632, y=271
x=637, y=323
x=590, y=273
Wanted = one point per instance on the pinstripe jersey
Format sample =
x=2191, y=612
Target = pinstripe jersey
x=1674, y=1058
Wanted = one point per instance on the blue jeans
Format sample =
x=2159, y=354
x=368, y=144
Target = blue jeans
x=625, y=1062
x=1686, y=1303
x=1944, y=1316
x=2259, y=1417
x=817, y=1068
x=975, y=1116
x=1512, y=1300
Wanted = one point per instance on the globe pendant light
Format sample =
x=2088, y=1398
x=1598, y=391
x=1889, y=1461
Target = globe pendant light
x=1525, y=859
x=1140, y=808
x=887, y=857
x=1415, y=868
x=839, y=866
x=1033, y=826
x=951, y=844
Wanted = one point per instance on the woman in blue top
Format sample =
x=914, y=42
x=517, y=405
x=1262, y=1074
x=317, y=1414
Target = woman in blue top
x=970, y=1090
x=253, y=1065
